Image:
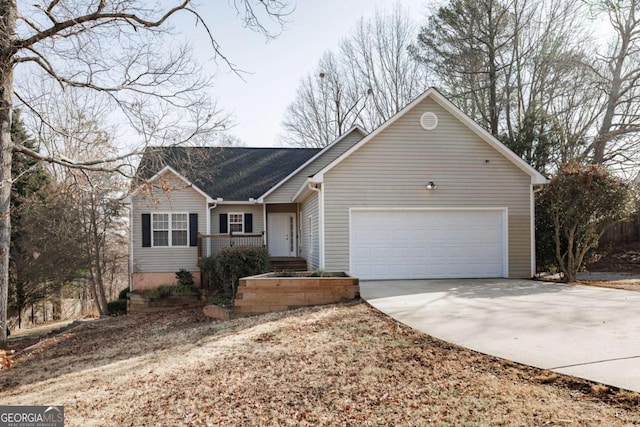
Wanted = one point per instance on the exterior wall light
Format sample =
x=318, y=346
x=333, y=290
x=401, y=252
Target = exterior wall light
x=431, y=185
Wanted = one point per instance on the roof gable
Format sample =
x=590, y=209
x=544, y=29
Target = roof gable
x=355, y=131
x=233, y=174
x=165, y=170
x=536, y=177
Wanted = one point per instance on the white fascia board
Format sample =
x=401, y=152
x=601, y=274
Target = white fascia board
x=239, y=202
x=163, y=171
x=312, y=159
x=304, y=190
x=536, y=177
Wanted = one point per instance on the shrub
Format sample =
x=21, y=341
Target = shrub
x=162, y=291
x=583, y=201
x=546, y=260
x=231, y=264
x=222, y=300
x=286, y=273
x=185, y=278
x=123, y=293
x=116, y=308
x=165, y=291
x=208, y=271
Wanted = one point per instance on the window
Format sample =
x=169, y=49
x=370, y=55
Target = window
x=236, y=223
x=170, y=229
x=160, y=229
x=179, y=229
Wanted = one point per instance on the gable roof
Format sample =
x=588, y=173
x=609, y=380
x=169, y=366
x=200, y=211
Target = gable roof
x=230, y=173
x=354, y=129
x=536, y=177
x=162, y=172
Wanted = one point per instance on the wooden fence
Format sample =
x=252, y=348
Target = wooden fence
x=623, y=232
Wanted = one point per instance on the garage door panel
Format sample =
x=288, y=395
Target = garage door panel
x=418, y=244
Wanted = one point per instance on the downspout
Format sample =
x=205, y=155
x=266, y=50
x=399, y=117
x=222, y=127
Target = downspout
x=312, y=187
x=131, y=247
x=212, y=205
x=264, y=226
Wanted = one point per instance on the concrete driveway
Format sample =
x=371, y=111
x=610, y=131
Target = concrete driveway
x=587, y=332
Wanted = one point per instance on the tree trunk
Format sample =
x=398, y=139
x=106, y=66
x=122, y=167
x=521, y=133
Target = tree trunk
x=8, y=15
x=615, y=90
x=94, y=292
x=95, y=256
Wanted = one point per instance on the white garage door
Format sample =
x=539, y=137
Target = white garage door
x=428, y=244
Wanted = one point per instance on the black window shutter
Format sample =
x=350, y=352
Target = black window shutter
x=146, y=230
x=248, y=223
x=193, y=229
x=224, y=224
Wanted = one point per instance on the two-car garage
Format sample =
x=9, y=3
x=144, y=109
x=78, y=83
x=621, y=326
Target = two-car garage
x=428, y=243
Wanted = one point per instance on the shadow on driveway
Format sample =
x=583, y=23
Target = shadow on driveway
x=588, y=332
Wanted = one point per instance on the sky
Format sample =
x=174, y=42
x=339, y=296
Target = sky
x=274, y=67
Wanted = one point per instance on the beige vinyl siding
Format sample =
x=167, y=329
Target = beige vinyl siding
x=285, y=193
x=392, y=170
x=310, y=237
x=180, y=199
x=255, y=209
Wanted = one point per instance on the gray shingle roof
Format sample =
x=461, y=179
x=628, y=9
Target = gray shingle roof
x=235, y=174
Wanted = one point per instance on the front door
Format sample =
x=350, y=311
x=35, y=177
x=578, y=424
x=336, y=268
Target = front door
x=281, y=234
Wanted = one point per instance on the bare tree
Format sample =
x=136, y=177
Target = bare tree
x=325, y=106
x=618, y=73
x=80, y=134
x=368, y=80
x=119, y=49
x=378, y=60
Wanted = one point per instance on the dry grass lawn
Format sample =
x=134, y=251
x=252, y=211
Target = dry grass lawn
x=338, y=365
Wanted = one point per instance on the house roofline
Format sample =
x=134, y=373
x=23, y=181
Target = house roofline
x=312, y=159
x=536, y=177
x=303, y=190
x=164, y=170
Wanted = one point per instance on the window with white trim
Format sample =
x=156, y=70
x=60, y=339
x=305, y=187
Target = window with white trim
x=170, y=229
x=179, y=229
x=236, y=222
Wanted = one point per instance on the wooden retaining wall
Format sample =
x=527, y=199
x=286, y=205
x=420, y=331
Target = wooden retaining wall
x=142, y=304
x=262, y=294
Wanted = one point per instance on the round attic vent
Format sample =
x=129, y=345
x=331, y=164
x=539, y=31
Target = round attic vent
x=429, y=121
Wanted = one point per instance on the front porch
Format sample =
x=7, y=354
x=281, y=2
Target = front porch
x=210, y=244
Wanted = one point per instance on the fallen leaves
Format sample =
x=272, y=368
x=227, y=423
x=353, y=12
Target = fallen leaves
x=344, y=365
x=6, y=358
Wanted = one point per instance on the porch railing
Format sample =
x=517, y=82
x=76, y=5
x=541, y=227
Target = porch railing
x=210, y=244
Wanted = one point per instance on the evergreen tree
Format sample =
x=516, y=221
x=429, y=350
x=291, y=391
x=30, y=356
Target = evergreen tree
x=28, y=182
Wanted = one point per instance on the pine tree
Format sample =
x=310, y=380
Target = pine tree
x=29, y=180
